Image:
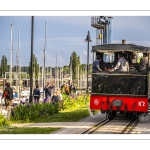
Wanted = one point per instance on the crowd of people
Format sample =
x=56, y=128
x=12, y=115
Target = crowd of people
x=122, y=64
x=51, y=94
x=66, y=89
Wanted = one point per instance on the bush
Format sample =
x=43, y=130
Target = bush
x=75, y=101
x=3, y=121
x=30, y=112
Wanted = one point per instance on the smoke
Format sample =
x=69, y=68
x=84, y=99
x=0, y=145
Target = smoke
x=144, y=118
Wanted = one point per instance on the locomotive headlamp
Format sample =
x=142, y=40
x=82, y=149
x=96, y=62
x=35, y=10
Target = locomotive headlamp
x=96, y=102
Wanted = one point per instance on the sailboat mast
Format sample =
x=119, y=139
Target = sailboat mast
x=10, y=69
x=62, y=69
x=18, y=62
x=56, y=72
x=44, y=62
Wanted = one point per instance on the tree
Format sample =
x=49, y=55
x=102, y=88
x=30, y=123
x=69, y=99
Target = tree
x=35, y=66
x=74, y=62
x=65, y=70
x=4, y=67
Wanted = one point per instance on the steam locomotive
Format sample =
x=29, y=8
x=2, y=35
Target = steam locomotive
x=120, y=92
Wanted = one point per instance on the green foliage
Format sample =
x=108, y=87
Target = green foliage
x=3, y=121
x=67, y=115
x=31, y=112
x=25, y=69
x=139, y=58
x=48, y=112
x=32, y=130
x=66, y=70
x=35, y=66
x=74, y=63
x=75, y=101
x=4, y=67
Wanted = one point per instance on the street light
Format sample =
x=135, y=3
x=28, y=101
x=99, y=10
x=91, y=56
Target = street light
x=88, y=39
x=31, y=62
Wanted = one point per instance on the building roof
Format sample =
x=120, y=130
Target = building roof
x=120, y=47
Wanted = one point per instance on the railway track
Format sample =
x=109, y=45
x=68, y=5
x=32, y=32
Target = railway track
x=96, y=127
x=130, y=125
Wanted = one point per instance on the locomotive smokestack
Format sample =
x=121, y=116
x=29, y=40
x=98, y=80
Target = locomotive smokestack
x=123, y=41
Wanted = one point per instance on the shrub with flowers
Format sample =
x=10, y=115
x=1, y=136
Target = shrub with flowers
x=29, y=112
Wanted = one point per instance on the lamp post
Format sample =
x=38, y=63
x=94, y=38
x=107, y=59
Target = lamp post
x=88, y=39
x=31, y=62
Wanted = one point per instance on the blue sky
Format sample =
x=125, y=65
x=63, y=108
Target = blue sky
x=66, y=34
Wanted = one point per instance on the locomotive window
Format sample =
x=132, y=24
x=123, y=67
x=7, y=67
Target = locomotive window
x=108, y=57
x=140, y=55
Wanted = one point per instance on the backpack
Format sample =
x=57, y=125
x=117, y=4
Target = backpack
x=36, y=92
x=5, y=94
x=8, y=93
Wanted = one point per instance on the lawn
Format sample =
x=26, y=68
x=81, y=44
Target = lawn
x=75, y=110
x=33, y=130
x=68, y=115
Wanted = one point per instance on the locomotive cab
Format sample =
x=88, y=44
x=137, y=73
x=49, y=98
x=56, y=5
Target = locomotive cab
x=124, y=92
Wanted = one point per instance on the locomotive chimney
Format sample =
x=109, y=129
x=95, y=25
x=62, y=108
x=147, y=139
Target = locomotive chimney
x=123, y=41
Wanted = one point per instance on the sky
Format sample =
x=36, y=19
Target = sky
x=64, y=35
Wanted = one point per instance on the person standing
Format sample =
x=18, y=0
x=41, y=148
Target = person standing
x=8, y=96
x=36, y=93
x=144, y=63
x=96, y=64
x=122, y=64
x=56, y=97
x=71, y=88
x=67, y=89
x=48, y=90
x=59, y=94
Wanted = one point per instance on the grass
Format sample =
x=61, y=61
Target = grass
x=68, y=115
x=31, y=130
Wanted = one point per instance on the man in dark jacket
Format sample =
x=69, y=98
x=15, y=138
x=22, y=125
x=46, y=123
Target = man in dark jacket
x=96, y=64
x=8, y=96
